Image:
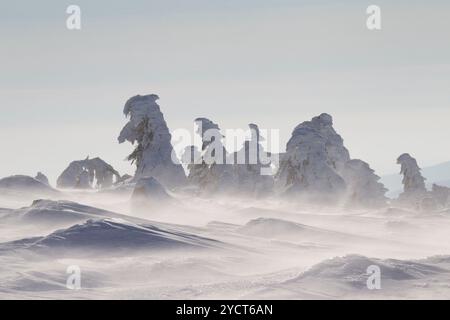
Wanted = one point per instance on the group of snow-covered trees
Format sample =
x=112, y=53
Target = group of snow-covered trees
x=316, y=166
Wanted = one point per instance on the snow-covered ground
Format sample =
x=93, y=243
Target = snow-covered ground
x=193, y=248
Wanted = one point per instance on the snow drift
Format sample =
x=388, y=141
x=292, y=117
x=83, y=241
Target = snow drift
x=117, y=234
x=49, y=212
x=26, y=184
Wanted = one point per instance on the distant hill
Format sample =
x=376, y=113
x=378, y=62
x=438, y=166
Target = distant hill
x=439, y=174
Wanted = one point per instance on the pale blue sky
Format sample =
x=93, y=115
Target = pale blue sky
x=274, y=63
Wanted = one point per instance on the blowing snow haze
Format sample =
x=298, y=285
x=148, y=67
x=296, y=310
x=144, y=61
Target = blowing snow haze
x=96, y=187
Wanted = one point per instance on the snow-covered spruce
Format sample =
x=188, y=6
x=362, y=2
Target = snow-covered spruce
x=317, y=167
x=217, y=171
x=363, y=186
x=315, y=155
x=414, y=190
x=210, y=173
x=441, y=195
x=247, y=171
x=153, y=152
x=87, y=174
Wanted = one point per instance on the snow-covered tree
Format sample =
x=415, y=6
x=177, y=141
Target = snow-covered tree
x=247, y=169
x=441, y=195
x=148, y=130
x=363, y=186
x=414, y=190
x=315, y=155
x=209, y=172
x=88, y=173
x=216, y=171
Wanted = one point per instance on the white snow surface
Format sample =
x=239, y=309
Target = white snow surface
x=218, y=249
